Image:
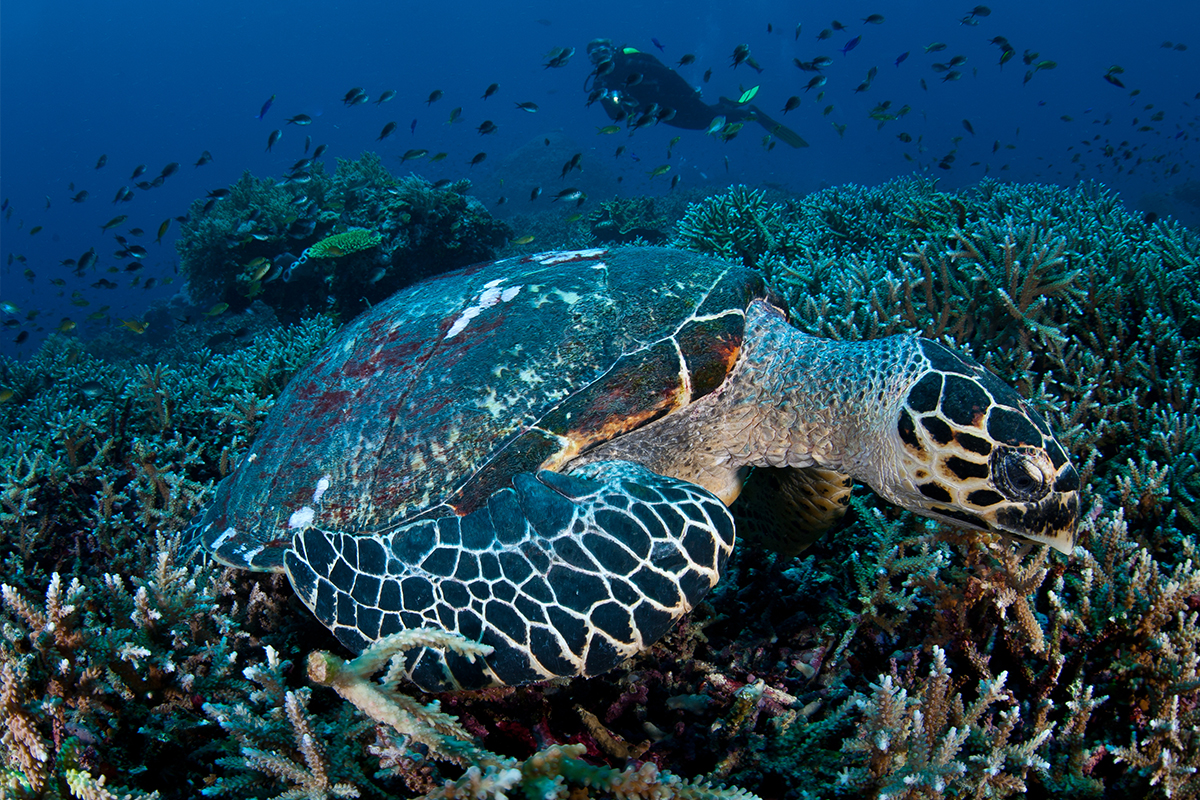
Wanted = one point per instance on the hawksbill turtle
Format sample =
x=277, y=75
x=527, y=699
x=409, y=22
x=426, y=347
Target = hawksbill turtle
x=540, y=454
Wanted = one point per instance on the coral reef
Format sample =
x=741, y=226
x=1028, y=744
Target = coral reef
x=365, y=232
x=897, y=657
x=626, y=221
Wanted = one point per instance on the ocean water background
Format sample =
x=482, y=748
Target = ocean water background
x=155, y=83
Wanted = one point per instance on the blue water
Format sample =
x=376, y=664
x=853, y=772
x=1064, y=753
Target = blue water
x=154, y=83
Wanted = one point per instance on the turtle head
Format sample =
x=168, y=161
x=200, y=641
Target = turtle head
x=972, y=452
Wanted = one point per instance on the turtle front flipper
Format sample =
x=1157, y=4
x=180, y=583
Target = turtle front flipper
x=562, y=574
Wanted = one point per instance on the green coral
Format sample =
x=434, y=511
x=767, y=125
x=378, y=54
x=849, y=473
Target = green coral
x=740, y=225
x=343, y=244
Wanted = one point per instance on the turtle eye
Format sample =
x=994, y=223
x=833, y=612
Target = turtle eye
x=1018, y=476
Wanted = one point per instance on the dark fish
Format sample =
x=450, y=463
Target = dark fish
x=687, y=58
x=86, y=261
x=980, y=11
x=792, y=103
x=901, y=57
x=307, y=143
x=478, y=158
x=442, y=184
x=486, y=127
x=1150, y=218
x=114, y=222
x=21, y=337
x=658, y=44
x=530, y=107
x=138, y=170
x=850, y=45
x=169, y=170
x=162, y=229
x=535, y=193
x=351, y=96
x=837, y=26
x=80, y=197
x=219, y=194
x=633, y=79
x=121, y=195
x=387, y=131
x=707, y=75
x=275, y=136
x=412, y=128
x=1114, y=80
x=266, y=107
x=741, y=54
x=300, y=119
x=490, y=90
x=434, y=96
x=320, y=151
x=873, y=19
x=966, y=123
x=204, y=158
x=101, y=161
x=387, y=95
x=817, y=80
x=820, y=62
x=411, y=154
x=824, y=34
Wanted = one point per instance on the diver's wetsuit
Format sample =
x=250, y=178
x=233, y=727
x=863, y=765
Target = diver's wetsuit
x=662, y=86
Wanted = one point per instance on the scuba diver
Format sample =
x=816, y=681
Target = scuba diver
x=627, y=81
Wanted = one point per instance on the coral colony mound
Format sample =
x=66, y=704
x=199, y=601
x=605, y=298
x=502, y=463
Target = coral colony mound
x=898, y=655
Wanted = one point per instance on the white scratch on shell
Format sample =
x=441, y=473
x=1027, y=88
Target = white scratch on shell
x=301, y=517
x=548, y=259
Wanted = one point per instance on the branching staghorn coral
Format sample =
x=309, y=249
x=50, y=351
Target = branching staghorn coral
x=549, y=773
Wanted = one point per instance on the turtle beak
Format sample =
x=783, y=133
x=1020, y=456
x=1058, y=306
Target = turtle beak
x=1051, y=520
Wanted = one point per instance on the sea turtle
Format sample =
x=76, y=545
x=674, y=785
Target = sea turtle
x=539, y=453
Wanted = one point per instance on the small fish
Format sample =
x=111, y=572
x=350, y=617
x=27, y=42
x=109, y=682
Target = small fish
x=307, y=144
x=274, y=138
x=35, y=230
x=873, y=19
x=387, y=95
x=717, y=124
x=792, y=104
x=1114, y=80
x=707, y=75
x=798, y=26
x=620, y=150
x=980, y=11
x=436, y=157
x=837, y=26
x=412, y=128
x=6, y=395
x=633, y=79
x=490, y=90
x=966, y=123
x=658, y=44
x=80, y=197
x=817, y=80
x=608, y=130
x=824, y=34
x=535, y=193
x=409, y=155
x=169, y=170
x=901, y=57
x=661, y=170
x=219, y=194
x=477, y=159
x=528, y=107
x=266, y=107
x=574, y=218
x=904, y=137
x=136, y=232
x=204, y=158
x=501, y=200
x=114, y=222
x=434, y=96
x=935, y=47
x=1045, y=65
x=300, y=119
x=526, y=239
x=487, y=127
x=387, y=131
x=850, y=45
x=135, y=325
x=21, y=337
x=351, y=97
x=101, y=161
x=687, y=58
x=571, y=194
x=66, y=326
x=319, y=151
x=219, y=308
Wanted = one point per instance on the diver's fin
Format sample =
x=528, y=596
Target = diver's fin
x=788, y=509
x=778, y=129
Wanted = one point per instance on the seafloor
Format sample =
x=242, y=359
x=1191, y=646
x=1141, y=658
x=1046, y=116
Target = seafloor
x=898, y=657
